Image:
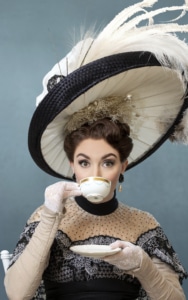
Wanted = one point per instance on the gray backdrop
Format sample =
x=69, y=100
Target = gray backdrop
x=34, y=35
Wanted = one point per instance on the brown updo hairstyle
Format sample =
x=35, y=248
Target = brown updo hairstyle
x=115, y=134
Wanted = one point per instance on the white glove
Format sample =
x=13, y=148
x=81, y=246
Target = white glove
x=130, y=258
x=56, y=194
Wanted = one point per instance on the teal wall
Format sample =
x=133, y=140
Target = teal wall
x=34, y=35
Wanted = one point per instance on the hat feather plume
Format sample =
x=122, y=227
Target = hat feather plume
x=123, y=34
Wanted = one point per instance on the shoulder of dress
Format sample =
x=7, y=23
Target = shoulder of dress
x=36, y=215
x=144, y=218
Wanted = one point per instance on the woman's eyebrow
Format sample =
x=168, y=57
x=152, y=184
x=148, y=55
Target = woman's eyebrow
x=103, y=157
x=109, y=154
x=82, y=154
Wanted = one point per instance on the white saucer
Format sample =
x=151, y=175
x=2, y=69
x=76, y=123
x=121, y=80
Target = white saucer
x=94, y=251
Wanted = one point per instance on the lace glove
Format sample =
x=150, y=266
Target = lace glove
x=129, y=258
x=56, y=194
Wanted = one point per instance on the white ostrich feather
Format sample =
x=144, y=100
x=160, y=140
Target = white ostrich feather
x=124, y=15
x=121, y=36
x=122, y=24
x=181, y=132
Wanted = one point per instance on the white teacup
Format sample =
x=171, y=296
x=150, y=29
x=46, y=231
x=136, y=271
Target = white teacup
x=95, y=189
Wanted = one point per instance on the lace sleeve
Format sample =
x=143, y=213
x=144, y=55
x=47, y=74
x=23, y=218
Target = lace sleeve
x=22, y=243
x=156, y=244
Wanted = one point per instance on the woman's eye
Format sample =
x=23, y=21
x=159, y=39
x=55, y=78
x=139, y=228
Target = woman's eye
x=83, y=163
x=108, y=163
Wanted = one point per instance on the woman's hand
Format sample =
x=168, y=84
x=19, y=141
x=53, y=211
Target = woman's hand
x=56, y=194
x=129, y=258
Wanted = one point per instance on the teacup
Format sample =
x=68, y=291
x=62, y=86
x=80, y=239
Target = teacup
x=95, y=189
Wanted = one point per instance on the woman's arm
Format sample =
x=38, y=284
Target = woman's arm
x=24, y=276
x=158, y=279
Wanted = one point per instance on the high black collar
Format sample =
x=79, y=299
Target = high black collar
x=100, y=209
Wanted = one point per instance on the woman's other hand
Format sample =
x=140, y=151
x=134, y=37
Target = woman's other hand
x=56, y=194
x=128, y=259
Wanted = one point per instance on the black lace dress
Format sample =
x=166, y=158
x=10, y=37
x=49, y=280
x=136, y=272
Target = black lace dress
x=70, y=276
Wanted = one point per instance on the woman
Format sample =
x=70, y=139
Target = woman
x=125, y=75
x=94, y=150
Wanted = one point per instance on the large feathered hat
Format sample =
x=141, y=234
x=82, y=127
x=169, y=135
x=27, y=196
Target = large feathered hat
x=128, y=72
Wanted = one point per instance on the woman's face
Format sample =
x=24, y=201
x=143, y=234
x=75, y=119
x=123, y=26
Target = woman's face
x=98, y=158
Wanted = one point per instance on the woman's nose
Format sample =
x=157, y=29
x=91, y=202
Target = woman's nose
x=96, y=171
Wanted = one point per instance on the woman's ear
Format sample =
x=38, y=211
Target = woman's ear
x=124, y=166
x=72, y=166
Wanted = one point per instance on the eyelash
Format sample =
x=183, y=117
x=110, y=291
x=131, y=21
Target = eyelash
x=109, y=162
x=85, y=163
x=81, y=162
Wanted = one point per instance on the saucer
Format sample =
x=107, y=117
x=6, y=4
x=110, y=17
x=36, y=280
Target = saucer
x=94, y=251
